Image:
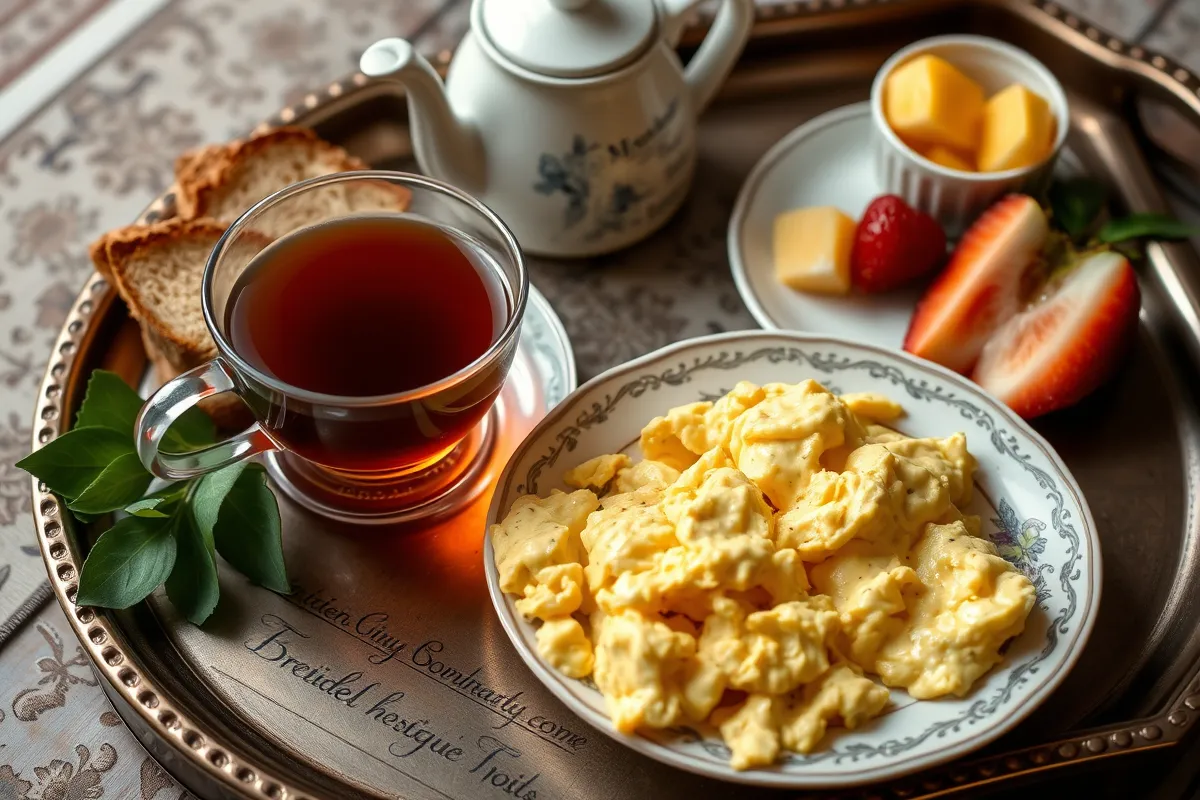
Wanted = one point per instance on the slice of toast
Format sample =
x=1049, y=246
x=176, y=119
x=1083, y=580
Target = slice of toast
x=191, y=166
x=223, y=181
x=157, y=270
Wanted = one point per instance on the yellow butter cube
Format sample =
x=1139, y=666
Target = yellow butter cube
x=812, y=249
x=1018, y=129
x=927, y=100
x=946, y=157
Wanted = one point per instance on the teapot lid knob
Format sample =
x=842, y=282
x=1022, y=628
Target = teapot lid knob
x=567, y=38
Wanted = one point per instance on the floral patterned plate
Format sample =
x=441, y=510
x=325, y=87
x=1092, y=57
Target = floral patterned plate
x=1031, y=506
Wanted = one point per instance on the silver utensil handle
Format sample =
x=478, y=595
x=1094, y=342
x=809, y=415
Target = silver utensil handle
x=169, y=403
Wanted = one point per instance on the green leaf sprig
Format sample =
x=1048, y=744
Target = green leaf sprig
x=172, y=535
x=1079, y=207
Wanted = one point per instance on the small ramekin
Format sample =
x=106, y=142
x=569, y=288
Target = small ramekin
x=953, y=197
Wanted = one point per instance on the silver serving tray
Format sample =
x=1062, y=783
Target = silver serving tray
x=1135, y=449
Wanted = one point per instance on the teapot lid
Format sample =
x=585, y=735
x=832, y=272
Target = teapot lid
x=568, y=38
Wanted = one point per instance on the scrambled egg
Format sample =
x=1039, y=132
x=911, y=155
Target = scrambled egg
x=771, y=551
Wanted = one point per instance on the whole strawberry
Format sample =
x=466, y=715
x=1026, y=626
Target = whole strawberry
x=894, y=244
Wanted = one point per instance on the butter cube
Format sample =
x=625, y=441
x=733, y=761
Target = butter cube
x=1018, y=127
x=812, y=249
x=927, y=100
x=946, y=157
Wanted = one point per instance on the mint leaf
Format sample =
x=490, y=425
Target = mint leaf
x=126, y=563
x=112, y=403
x=247, y=532
x=119, y=484
x=160, y=504
x=1076, y=204
x=73, y=461
x=1149, y=226
x=193, y=586
x=109, y=403
x=147, y=509
x=209, y=495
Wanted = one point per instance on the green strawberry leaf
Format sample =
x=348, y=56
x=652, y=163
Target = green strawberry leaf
x=72, y=462
x=1146, y=226
x=127, y=562
x=120, y=483
x=1130, y=250
x=192, y=586
x=248, y=533
x=1076, y=204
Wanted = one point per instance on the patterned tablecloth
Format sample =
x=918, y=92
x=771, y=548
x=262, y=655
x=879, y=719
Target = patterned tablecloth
x=97, y=97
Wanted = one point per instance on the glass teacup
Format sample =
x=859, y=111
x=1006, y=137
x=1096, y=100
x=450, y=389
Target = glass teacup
x=370, y=457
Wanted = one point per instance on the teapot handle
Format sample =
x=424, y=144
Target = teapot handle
x=720, y=49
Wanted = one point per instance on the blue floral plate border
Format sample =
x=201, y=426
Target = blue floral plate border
x=1057, y=547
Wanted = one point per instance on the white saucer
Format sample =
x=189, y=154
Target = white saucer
x=827, y=161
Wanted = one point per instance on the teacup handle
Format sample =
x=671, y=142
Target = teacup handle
x=168, y=404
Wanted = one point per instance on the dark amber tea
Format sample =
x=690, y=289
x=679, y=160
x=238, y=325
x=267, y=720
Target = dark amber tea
x=364, y=307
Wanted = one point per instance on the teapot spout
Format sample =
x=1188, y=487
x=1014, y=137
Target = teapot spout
x=446, y=147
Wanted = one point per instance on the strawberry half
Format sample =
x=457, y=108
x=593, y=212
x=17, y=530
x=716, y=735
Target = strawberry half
x=985, y=282
x=1060, y=349
x=893, y=244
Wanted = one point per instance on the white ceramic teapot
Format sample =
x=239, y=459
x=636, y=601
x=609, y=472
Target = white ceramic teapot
x=573, y=119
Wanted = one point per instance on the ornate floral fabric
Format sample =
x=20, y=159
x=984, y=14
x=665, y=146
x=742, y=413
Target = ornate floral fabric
x=59, y=738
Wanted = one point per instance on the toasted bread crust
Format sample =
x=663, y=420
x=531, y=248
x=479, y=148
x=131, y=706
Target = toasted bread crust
x=204, y=172
x=135, y=241
x=123, y=243
x=98, y=253
x=190, y=162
